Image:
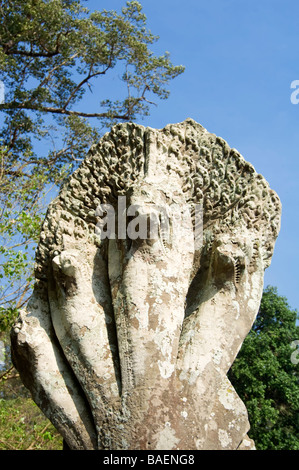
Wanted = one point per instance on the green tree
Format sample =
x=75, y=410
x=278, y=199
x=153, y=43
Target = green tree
x=265, y=375
x=21, y=210
x=53, y=52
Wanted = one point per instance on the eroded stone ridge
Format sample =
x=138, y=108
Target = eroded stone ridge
x=126, y=343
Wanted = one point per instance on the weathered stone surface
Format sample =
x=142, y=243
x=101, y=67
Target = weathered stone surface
x=126, y=343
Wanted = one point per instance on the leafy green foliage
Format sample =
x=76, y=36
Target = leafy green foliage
x=265, y=375
x=24, y=427
x=22, y=424
x=51, y=52
x=20, y=221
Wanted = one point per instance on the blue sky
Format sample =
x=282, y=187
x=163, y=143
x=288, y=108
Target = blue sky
x=241, y=57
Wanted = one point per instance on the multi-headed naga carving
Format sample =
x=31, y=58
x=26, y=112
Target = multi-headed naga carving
x=126, y=341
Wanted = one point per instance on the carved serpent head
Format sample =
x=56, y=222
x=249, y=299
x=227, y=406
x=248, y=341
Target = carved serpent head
x=127, y=339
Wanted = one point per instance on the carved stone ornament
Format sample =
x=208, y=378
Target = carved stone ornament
x=127, y=340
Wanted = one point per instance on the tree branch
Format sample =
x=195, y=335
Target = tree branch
x=49, y=109
x=8, y=445
x=16, y=173
x=47, y=78
x=8, y=49
x=85, y=80
x=6, y=372
x=29, y=53
x=38, y=437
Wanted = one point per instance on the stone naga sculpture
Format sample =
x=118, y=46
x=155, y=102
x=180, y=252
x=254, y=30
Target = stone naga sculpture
x=126, y=341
